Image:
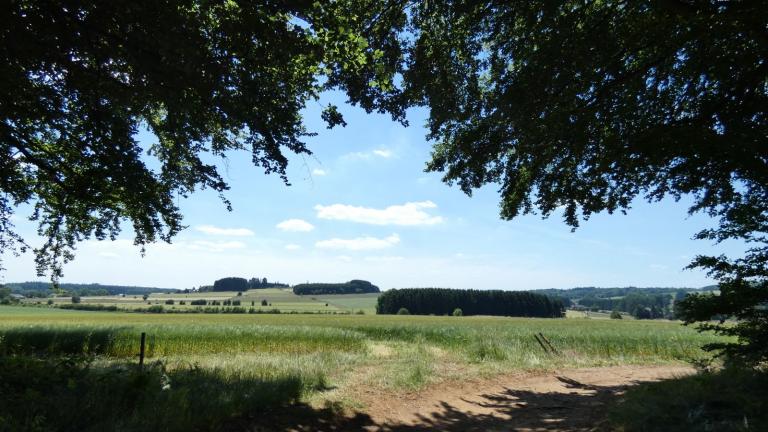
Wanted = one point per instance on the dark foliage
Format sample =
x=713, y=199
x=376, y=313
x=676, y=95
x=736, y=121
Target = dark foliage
x=241, y=284
x=73, y=395
x=81, y=79
x=256, y=283
x=44, y=289
x=443, y=301
x=230, y=284
x=739, y=310
x=587, y=106
x=355, y=286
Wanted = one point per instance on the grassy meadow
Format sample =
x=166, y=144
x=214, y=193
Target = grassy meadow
x=282, y=299
x=326, y=360
x=389, y=343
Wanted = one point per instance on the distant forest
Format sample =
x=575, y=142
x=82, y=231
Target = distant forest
x=355, y=286
x=642, y=303
x=241, y=284
x=444, y=301
x=44, y=289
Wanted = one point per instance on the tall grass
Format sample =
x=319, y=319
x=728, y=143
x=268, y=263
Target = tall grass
x=167, y=340
x=48, y=395
x=335, y=347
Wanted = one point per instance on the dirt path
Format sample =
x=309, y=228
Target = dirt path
x=566, y=400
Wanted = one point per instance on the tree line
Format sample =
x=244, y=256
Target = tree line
x=45, y=289
x=444, y=301
x=355, y=286
x=241, y=284
x=642, y=303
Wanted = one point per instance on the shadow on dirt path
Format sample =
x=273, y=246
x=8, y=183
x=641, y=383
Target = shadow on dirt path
x=571, y=400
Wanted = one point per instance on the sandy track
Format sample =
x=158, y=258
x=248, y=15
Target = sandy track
x=564, y=400
x=569, y=400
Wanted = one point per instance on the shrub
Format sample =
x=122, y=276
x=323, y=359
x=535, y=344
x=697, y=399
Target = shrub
x=403, y=311
x=200, y=302
x=75, y=299
x=50, y=302
x=616, y=315
x=169, y=302
x=155, y=309
x=359, y=312
x=89, y=307
x=264, y=303
x=642, y=313
x=457, y=312
x=235, y=302
x=182, y=302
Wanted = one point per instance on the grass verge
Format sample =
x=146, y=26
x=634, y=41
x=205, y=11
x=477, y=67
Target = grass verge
x=76, y=394
x=726, y=400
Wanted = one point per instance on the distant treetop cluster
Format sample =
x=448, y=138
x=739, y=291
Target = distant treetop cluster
x=355, y=286
x=241, y=284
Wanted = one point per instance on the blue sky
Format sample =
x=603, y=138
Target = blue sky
x=362, y=207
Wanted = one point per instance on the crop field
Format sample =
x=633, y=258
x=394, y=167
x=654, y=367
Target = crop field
x=397, y=353
x=246, y=363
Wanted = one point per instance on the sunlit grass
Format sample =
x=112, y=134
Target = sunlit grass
x=332, y=349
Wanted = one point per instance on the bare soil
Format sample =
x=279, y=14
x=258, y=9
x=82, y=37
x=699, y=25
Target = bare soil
x=564, y=400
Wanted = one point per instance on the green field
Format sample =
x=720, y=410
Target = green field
x=481, y=345
x=282, y=299
x=319, y=359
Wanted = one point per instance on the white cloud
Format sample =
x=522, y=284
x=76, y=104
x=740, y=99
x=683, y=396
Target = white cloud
x=319, y=172
x=381, y=152
x=214, y=230
x=359, y=243
x=344, y=258
x=296, y=225
x=292, y=247
x=408, y=214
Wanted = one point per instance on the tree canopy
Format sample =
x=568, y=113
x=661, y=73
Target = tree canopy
x=81, y=79
x=588, y=105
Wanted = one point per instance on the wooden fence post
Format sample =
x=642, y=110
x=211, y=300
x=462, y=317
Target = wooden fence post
x=141, y=349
